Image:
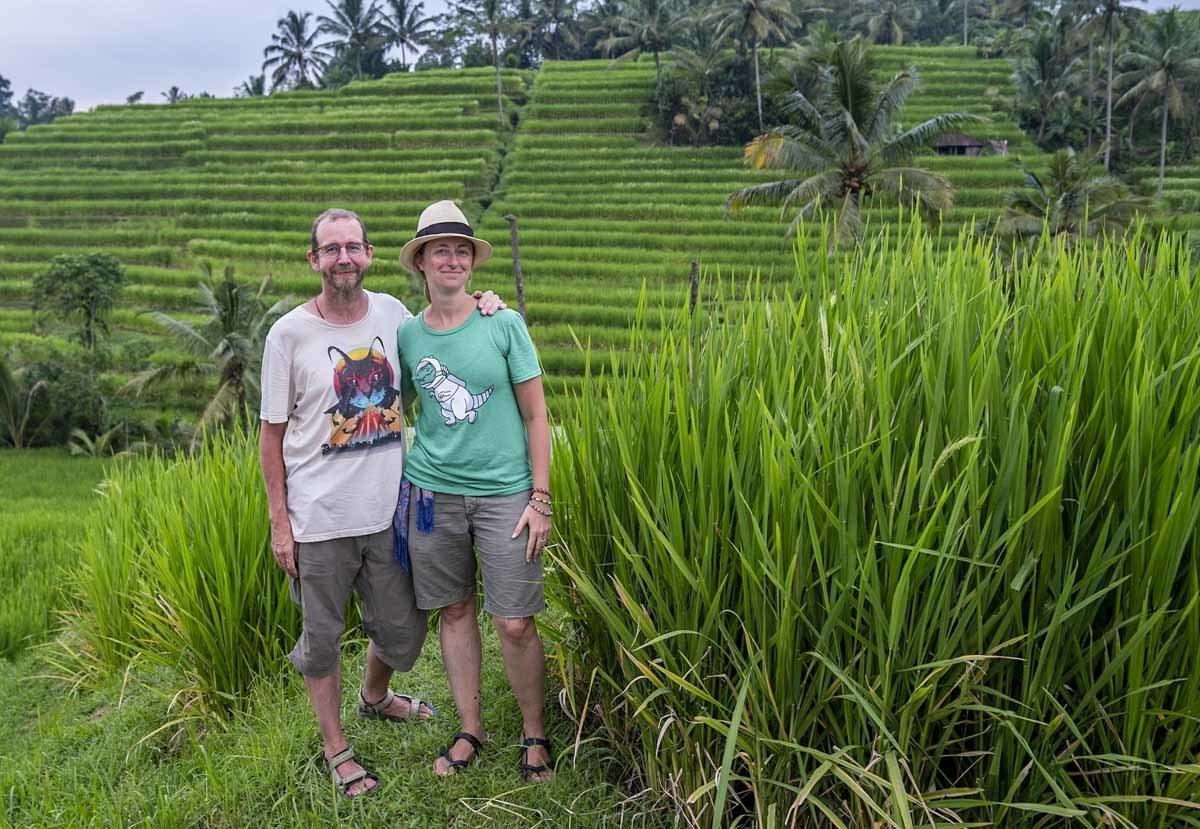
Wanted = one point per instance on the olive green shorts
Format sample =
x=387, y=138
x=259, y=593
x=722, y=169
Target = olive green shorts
x=470, y=530
x=329, y=571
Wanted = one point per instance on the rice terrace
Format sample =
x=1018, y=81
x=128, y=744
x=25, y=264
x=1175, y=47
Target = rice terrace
x=868, y=338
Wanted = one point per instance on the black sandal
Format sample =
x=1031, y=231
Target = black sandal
x=527, y=770
x=458, y=765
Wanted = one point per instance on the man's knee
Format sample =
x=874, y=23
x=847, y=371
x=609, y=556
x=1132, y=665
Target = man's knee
x=459, y=611
x=515, y=631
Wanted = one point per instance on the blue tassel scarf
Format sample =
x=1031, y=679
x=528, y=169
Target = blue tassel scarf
x=400, y=520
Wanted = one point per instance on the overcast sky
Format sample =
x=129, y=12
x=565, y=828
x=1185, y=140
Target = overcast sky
x=100, y=52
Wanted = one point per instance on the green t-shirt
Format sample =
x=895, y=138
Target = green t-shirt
x=470, y=437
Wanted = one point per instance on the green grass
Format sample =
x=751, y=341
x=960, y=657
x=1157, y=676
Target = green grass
x=47, y=495
x=114, y=752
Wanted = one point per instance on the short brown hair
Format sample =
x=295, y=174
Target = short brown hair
x=333, y=214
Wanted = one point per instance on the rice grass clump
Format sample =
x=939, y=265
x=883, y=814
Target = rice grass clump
x=176, y=571
x=912, y=543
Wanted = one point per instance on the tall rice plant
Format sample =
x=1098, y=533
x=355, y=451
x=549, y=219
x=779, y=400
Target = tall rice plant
x=911, y=544
x=176, y=571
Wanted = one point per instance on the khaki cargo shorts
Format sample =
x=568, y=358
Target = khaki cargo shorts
x=329, y=571
x=468, y=530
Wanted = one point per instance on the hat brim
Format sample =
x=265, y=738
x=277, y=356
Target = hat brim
x=483, y=250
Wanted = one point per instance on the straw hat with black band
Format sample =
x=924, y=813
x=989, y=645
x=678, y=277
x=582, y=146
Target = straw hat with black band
x=442, y=220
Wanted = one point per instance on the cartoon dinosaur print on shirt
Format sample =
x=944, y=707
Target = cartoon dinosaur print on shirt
x=450, y=392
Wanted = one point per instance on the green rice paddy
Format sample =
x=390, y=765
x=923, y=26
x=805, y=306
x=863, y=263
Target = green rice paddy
x=602, y=208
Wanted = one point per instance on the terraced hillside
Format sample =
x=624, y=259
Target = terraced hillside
x=601, y=208
x=236, y=181
x=1181, y=192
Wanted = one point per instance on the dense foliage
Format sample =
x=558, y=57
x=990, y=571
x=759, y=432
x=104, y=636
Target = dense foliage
x=905, y=545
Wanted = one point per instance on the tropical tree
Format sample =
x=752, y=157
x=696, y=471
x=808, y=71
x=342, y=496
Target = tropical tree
x=404, y=24
x=555, y=26
x=23, y=406
x=643, y=26
x=254, y=86
x=889, y=21
x=6, y=96
x=135, y=98
x=1017, y=13
x=294, y=57
x=489, y=18
x=357, y=28
x=749, y=23
x=84, y=288
x=174, y=95
x=1074, y=198
x=844, y=142
x=1163, y=62
x=228, y=342
x=1045, y=77
x=1107, y=19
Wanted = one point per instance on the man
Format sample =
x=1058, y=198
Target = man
x=332, y=451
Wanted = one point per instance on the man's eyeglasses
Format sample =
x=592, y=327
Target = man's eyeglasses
x=352, y=249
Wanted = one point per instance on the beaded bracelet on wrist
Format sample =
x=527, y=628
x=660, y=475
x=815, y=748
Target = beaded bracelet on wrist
x=546, y=512
x=545, y=501
x=545, y=492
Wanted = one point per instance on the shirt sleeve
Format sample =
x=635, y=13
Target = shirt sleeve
x=276, y=382
x=407, y=389
x=522, y=356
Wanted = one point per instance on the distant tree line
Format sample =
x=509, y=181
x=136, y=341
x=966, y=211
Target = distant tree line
x=35, y=108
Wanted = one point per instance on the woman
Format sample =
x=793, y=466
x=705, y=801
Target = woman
x=477, y=483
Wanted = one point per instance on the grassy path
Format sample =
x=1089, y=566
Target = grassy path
x=117, y=755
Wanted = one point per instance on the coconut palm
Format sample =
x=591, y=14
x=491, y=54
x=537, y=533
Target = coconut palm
x=254, y=86
x=404, y=24
x=887, y=22
x=555, y=23
x=1044, y=77
x=174, y=95
x=23, y=406
x=356, y=28
x=491, y=19
x=749, y=23
x=294, y=56
x=1163, y=63
x=228, y=343
x=1107, y=19
x=643, y=26
x=1074, y=198
x=845, y=143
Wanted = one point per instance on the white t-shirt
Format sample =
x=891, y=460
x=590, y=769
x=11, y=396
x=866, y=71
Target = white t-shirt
x=338, y=389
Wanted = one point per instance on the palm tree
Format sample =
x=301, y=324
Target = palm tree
x=1109, y=16
x=643, y=26
x=1045, y=77
x=555, y=21
x=228, y=343
x=1072, y=200
x=355, y=27
x=23, y=408
x=490, y=18
x=294, y=54
x=844, y=142
x=1014, y=10
x=1161, y=64
x=749, y=23
x=887, y=22
x=174, y=95
x=405, y=25
x=254, y=86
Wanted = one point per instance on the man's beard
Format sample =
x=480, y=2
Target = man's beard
x=344, y=285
